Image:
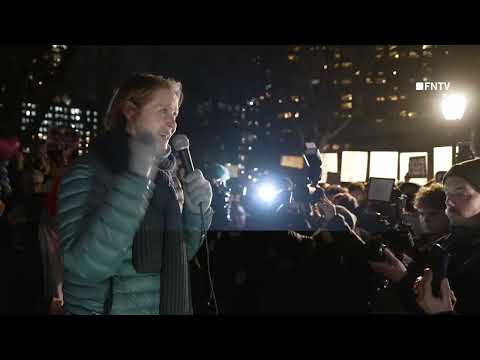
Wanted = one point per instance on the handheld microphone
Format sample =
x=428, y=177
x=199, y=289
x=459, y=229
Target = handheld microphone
x=181, y=145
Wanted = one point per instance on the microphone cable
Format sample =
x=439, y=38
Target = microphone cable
x=204, y=236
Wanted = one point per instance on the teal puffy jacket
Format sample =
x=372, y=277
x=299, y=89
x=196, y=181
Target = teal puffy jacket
x=99, y=215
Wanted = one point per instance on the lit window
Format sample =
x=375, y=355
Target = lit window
x=395, y=88
x=336, y=65
x=23, y=127
x=346, y=64
x=297, y=115
x=347, y=105
x=280, y=101
x=379, y=56
x=295, y=99
x=95, y=113
x=403, y=113
x=424, y=47
x=337, y=56
x=395, y=72
x=287, y=115
x=427, y=53
x=77, y=117
x=402, y=97
x=292, y=57
x=315, y=81
x=325, y=67
x=88, y=112
x=368, y=81
x=346, y=82
x=347, y=97
x=413, y=54
x=357, y=72
x=412, y=114
x=392, y=47
x=397, y=56
x=381, y=81
x=380, y=98
x=28, y=113
x=94, y=127
x=380, y=73
x=393, y=98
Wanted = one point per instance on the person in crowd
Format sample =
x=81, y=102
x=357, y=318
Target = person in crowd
x=431, y=206
x=462, y=189
x=333, y=190
x=346, y=200
x=358, y=191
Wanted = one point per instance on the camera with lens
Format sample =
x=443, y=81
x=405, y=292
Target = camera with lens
x=389, y=230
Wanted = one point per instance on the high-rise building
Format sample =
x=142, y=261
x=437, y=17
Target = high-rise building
x=84, y=121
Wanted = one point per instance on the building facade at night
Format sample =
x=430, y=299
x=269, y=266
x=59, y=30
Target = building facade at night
x=84, y=121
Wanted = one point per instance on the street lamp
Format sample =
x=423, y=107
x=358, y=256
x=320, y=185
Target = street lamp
x=453, y=109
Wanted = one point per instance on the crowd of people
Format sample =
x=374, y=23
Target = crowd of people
x=125, y=229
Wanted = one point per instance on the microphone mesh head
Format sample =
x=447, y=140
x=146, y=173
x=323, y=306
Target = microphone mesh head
x=180, y=142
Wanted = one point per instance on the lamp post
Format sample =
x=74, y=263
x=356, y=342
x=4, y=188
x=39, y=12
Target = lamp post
x=453, y=109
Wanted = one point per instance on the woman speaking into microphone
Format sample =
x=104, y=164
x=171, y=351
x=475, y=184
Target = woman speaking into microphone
x=124, y=237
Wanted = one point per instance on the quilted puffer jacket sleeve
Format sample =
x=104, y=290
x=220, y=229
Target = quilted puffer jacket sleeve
x=94, y=239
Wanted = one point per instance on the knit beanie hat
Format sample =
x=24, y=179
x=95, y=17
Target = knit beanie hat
x=468, y=170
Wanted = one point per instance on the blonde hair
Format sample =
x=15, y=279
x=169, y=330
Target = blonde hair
x=138, y=89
